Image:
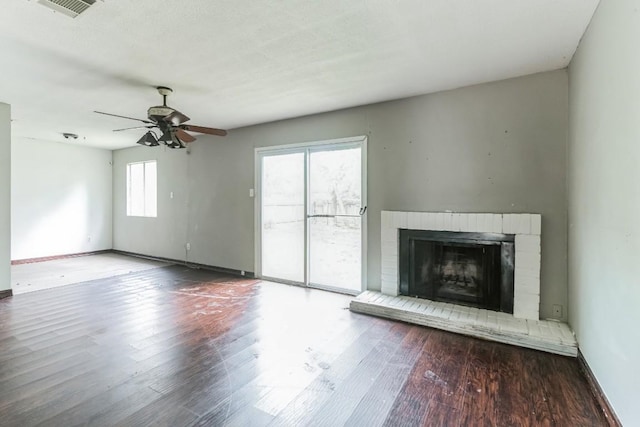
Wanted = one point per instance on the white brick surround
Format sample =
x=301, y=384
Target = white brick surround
x=527, y=230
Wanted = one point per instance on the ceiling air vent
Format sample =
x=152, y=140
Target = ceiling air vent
x=70, y=8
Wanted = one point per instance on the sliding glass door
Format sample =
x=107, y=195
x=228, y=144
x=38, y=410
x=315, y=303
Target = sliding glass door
x=312, y=210
x=283, y=216
x=334, y=220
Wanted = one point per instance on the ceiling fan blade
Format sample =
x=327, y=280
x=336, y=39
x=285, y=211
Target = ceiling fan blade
x=202, y=129
x=124, y=117
x=135, y=127
x=176, y=118
x=184, y=136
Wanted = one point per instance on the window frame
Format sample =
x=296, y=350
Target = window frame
x=148, y=211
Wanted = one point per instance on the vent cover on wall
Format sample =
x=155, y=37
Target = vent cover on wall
x=70, y=8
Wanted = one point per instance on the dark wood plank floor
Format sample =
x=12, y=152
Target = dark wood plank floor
x=180, y=347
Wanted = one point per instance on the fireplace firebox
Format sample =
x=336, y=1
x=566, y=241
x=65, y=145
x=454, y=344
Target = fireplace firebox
x=474, y=269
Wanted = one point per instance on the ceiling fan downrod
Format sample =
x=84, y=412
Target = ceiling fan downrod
x=164, y=91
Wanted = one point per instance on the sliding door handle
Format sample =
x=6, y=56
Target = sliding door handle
x=335, y=216
x=363, y=210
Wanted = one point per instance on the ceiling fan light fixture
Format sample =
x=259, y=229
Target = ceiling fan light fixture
x=170, y=139
x=148, y=140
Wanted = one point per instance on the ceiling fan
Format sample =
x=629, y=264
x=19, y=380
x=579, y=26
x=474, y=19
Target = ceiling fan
x=170, y=122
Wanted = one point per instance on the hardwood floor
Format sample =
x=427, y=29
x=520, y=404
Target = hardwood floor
x=179, y=347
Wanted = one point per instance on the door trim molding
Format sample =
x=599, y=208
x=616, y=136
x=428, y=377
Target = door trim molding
x=300, y=145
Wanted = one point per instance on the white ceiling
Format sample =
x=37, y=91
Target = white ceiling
x=234, y=63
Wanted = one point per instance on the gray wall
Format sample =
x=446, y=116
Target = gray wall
x=5, y=197
x=61, y=200
x=166, y=235
x=498, y=147
x=604, y=203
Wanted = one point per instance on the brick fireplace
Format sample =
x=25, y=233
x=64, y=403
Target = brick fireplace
x=523, y=230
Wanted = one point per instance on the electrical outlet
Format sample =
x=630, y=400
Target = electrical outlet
x=557, y=310
x=251, y=192
x=188, y=246
x=242, y=272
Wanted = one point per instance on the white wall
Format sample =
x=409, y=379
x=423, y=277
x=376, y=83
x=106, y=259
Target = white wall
x=498, y=147
x=604, y=202
x=5, y=197
x=61, y=200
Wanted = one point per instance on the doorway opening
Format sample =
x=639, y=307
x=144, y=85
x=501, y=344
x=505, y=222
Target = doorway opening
x=311, y=214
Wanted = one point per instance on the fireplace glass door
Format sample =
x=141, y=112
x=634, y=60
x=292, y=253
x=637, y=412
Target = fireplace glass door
x=456, y=272
x=474, y=269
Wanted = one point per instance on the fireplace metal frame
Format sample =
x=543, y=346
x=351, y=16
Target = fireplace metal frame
x=407, y=237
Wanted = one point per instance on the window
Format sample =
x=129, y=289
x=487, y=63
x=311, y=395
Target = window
x=142, y=189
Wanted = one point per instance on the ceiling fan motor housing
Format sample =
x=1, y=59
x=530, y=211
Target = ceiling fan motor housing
x=159, y=112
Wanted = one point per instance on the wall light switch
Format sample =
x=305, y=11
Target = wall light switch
x=171, y=195
x=251, y=192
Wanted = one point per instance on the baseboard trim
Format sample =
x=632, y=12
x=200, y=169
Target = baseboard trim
x=54, y=257
x=231, y=271
x=605, y=406
x=6, y=293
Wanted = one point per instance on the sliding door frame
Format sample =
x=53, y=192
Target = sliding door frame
x=307, y=148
